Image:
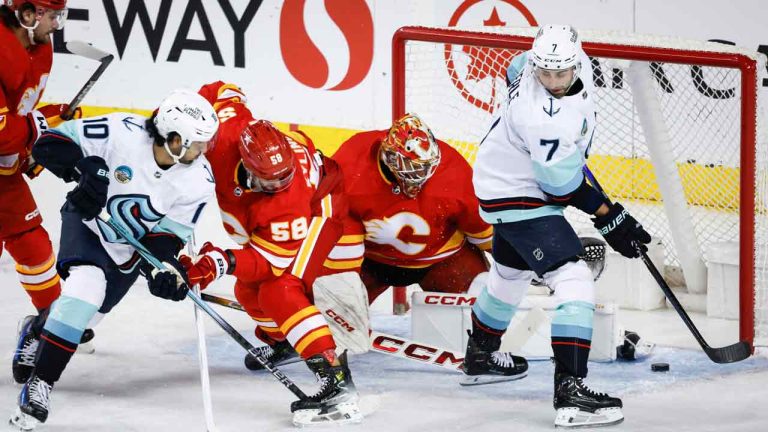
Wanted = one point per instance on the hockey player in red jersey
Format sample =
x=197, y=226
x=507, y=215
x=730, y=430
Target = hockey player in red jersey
x=412, y=199
x=281, y=200
x=26, y=56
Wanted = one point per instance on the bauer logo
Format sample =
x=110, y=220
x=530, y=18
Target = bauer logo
x=327, y=45
x=478, y=73
x=123, y=174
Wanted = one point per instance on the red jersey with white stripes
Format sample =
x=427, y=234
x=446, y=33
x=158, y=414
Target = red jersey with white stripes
x=405, y=232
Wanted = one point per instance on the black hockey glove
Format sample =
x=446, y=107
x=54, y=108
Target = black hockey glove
x=171, y=283
x=90, y=194
x=620, y=230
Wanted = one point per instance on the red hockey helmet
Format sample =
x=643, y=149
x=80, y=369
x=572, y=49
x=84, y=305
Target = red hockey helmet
x=410, y=151
x=267, y=156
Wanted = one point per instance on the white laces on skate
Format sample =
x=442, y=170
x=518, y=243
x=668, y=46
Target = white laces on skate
x=26, y=354
x=503, y=359
x=589, y=391
x=40, y=393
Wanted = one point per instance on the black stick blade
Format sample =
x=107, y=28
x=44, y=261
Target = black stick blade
x=730, y=354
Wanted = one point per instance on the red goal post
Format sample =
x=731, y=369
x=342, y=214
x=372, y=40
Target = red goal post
x=677, y=136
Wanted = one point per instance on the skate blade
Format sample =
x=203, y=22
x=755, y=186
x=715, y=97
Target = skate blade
x=574, y=418
x=341, y=414
x=86, y=348
x=471, y=380
x=22, y=421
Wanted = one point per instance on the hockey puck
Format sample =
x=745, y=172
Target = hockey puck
x=660, y=367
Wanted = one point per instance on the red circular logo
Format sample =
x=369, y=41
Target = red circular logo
x=485, y=63
x=307, y=63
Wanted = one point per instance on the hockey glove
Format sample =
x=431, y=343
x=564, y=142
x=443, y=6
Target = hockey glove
x=90, y=194
x=621, y=230
x=212, y=264
x=171, y=283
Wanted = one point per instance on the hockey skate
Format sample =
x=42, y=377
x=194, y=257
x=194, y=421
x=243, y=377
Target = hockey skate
x=335, y=402
x=578, y=406
x=484, y=364
x=34, y=403
x=281, y=353
x=26, y=349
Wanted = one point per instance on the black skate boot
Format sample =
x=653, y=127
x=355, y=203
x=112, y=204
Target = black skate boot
x=484, y=364
x=26, y=349
x=281, y=353
x=336, y=401
x=34, y=403
x=578, y=406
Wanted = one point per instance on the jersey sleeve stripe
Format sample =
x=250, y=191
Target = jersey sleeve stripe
x=351, y=239
x=9, y=164
x=168, y=225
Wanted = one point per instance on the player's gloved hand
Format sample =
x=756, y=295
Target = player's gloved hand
x=171, y=283
x=620, y=230
x=90, y=194
x=212, y=263
x=54, y=112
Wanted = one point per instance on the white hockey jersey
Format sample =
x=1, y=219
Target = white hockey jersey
x=536, y=146
x=142, y=196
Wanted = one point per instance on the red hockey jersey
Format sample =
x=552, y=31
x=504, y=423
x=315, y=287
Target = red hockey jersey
x=407, y=232
x=23, y=76
x=280, y=226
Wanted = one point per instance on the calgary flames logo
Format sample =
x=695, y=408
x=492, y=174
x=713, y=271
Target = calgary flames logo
x=478, y=73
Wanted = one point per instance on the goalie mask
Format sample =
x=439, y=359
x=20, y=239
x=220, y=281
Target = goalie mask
x=267, y=156
x=411, y=153
x=188, y=115
x=555, y=58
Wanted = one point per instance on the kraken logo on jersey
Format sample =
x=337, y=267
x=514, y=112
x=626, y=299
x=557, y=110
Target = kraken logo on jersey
x=130, y=211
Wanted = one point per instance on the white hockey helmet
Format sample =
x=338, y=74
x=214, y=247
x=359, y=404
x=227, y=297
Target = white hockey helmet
x=557, y=47
x=189, y=115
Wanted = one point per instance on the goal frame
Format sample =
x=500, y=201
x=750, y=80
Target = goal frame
x=748, y=123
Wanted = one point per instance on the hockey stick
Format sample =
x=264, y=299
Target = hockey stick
x=202, y=351
x=243, y=342
x=84, y=50
x=728, y=354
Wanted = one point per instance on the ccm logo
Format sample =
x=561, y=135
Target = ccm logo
x=416, y=351
x=339, y=320
x=31, y=215
x=449, y=300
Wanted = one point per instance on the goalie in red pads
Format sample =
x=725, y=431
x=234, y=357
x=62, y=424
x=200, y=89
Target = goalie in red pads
x=280, y=199
x=412, y=201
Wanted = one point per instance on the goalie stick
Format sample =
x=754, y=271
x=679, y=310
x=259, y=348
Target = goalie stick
x=85, y=50
x=728, y=354
x=243, y=342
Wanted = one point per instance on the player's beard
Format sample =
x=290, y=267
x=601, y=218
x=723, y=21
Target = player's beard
x=43, y=39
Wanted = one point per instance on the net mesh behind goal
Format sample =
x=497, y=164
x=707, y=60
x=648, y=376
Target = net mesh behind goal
x=691, y=184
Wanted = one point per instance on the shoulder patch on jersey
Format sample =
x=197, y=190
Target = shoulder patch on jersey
x=123, y=174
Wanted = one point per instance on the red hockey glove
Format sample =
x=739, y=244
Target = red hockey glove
x=212, y=263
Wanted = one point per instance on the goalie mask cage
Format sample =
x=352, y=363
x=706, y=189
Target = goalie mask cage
x=677, y=138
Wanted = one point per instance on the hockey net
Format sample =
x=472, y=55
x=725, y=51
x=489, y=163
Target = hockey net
x=680, y=139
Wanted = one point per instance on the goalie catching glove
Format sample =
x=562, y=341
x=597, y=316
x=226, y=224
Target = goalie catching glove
x=212, y=264
x=621, y=230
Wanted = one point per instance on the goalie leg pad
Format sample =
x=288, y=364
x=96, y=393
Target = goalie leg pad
x=343, y=300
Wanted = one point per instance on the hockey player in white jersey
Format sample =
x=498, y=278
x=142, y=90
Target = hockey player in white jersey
x=544, y=132
x=152, y=178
